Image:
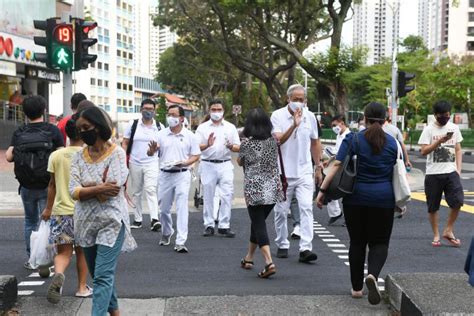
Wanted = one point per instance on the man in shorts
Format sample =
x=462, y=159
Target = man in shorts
x=60, y=211
x=441, y=142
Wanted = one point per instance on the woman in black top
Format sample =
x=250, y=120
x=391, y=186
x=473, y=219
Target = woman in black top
x=262, y=186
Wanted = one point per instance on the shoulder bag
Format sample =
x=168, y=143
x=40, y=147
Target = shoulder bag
x=284, y=181
x=401, y=188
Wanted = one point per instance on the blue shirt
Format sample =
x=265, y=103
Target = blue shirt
x=374, y=176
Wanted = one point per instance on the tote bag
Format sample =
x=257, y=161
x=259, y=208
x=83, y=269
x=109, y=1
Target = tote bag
x=401, y=188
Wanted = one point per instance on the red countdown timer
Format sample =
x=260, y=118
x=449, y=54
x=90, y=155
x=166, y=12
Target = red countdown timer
x=63, y=34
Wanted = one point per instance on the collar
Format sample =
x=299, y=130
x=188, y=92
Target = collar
x=211, y=123
x=143, y=124
x=181, y=133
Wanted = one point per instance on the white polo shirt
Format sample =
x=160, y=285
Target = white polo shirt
x=223, y=132
x=176, y=147
x=296, y=151
x=340, y=137
x=143, y=135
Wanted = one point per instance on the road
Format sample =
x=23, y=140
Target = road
x=212, y=266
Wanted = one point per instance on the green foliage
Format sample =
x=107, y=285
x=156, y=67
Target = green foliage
x=414, y=43
x=161, y=110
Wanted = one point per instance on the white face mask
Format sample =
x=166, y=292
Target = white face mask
x=336, y=129
x=172, y=121
x=361, y=128
x=296, y=106
x=216, y=116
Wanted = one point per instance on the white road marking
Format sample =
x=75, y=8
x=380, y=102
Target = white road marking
x=31, y=283
x=337, y=245
x=322, y=232
x=24, y=293
x=319, y=228
x=326, y=235
x=340, y=250
x=346, y=263
x=343, y=257
x=331, y=240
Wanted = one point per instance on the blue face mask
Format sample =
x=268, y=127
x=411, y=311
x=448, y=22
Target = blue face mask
x=147, y=115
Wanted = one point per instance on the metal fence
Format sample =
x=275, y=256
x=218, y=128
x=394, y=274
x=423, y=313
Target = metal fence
x=11, y=112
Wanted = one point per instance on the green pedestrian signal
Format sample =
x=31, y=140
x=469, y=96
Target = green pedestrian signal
x=63, y=58
x=63, y=37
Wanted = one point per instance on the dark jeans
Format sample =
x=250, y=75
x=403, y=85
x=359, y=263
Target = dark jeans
x=258, y=228
x=370, y=226
x=34, y=202
x=102, y=262
x=469, y=267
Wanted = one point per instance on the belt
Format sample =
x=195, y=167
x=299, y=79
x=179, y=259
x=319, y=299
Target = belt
x=215, y=161
x=174, y=170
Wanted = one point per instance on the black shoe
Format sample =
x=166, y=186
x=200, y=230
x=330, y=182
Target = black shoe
x=373, y=290
x=209, y=231
x=334, y=219
x=155, y=225
x=307, y=256
x=226, y=232
x=136, y=224
x=282, y=253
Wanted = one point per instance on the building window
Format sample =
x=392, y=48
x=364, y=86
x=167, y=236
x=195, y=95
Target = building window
x=99, y=65
x=99, y=82
x=119, y=86
x=124, y=54
x=130, y=87
x=130, y=56
x=119, y=102
x=470, y=31
x=118, y=53
x=106, y=66
x=471, y=16
x=470, y=46
x=471, y=3
x=106, y=49
x=130, y=103
x=92, y=81
x=118, y=3
x=119, y=37
x=106, y=83
x=106, y=32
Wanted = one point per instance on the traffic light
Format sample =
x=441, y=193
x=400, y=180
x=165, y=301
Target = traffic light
x=61, y=48
x=45, y=41
x=83, y=42
x=403, y=78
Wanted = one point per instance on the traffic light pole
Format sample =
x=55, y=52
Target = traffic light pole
x=67, y=78
x=394, y=91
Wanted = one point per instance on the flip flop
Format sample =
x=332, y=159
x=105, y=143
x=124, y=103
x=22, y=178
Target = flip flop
x=436, y=243
x=88, y=293
x=453, y=241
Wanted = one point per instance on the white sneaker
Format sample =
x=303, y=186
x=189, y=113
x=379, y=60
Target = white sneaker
x=296, y=233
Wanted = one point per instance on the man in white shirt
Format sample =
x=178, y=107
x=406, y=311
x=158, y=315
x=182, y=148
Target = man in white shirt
x=218, y=139
x=296, y=129
x=179, y=149
x=441, y=143
x=143, y=179
x=340, y=128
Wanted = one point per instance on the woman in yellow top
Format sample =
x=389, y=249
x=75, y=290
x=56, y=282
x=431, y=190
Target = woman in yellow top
x=60, y=210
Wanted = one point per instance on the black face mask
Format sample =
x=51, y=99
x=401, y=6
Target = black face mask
x=89, y=137
x=442, y=120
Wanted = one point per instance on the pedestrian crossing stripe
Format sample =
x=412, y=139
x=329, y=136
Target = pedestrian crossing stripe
x=465, y=208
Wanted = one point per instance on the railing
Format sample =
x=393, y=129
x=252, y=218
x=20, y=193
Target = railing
x=11, y=112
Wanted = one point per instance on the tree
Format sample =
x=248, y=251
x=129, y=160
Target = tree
x=263, y=38
x=413, y=43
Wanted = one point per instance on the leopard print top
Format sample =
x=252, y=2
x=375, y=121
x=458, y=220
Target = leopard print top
x=262, y=184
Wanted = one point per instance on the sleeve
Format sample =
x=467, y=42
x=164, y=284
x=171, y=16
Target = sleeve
x=458, y=135
x=118, y=170
x=314, y=126
x=276, y=126
x=51, y=162
x=235, y=136
x=62, y=127
x=243, y=149
x=58, y=140
x=195, y=149
x=342, y=153
x=200, y=135
x=75, y=176
x=128, y=130
x=400, y=136
x=425, y=137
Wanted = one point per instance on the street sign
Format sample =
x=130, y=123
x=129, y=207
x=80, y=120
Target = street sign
x=236, y=109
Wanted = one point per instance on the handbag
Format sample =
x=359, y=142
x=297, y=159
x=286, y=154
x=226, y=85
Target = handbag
x=284, y=181
x=401, y=188
x=344, y=180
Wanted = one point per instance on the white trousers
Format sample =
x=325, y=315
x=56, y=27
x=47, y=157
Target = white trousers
x=334, y=209
x=302, y=188
x=174, y=186
x=212, y=175
x=144, y=180
x=217, y=203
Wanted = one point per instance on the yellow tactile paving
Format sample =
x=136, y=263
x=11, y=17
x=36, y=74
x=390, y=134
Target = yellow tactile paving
x=420, y=196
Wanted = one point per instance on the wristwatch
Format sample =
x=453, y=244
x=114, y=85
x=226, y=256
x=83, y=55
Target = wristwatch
x=323, y=190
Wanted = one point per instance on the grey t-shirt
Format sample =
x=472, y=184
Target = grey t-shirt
x=393, y=131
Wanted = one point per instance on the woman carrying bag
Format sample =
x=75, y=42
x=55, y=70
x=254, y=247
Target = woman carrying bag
x=369, y=209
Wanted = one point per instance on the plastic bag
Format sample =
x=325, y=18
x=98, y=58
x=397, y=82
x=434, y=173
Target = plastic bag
x=42, y=253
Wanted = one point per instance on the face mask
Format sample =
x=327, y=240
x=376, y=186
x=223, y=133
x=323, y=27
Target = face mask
x=296, y=105
x=442, y=120
x=89, y=137
x=147, y=115
x=172, y=121
x=336, y=129
x=216, y=116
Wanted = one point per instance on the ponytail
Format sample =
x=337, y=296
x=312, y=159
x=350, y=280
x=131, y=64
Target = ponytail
x=375, y=115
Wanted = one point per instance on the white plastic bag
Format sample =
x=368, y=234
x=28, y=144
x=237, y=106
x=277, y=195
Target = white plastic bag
x=42, y=253
x=401, y=188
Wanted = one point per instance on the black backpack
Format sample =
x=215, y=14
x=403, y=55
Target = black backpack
x=31, y=152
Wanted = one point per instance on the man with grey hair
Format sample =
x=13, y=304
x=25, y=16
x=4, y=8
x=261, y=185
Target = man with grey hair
x=296, y=129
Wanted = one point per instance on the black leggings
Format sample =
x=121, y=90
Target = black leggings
x=258, y=228
x=367, y=226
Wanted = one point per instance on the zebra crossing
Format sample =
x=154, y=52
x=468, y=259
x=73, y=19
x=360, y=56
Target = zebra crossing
x=32, y=284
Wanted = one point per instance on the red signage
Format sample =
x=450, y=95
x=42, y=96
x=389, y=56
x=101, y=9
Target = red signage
x=6, y=46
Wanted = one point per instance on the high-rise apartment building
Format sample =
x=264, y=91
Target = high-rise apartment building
x=446, y=26
x=376, y=25
x=161, y=38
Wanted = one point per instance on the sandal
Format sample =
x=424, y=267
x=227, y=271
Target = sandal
x=87, y=293
x=436, y=243
x=267, y=271
x=453, y=241
x=245, y=264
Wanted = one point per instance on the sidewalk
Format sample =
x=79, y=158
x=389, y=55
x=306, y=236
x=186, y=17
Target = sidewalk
x=212, y=305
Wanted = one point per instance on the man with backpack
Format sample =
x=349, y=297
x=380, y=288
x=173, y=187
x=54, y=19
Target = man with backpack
x=143, y=173
x=29, y=150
